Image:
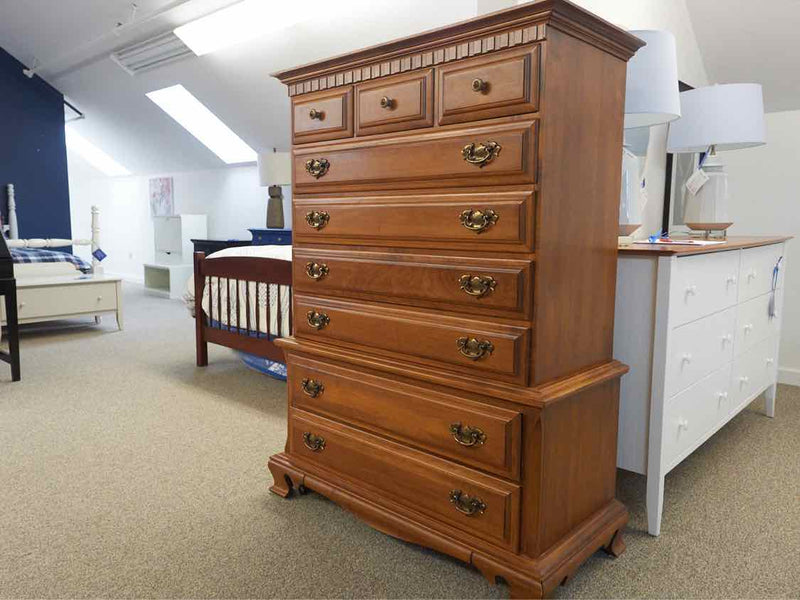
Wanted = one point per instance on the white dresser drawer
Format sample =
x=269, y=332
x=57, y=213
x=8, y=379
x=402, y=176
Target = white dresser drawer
x=34, y=302
x=753, y=322
x=702, y=285
x=752, y=372
x=755, y=271
x=698, y=348
x=693, y=413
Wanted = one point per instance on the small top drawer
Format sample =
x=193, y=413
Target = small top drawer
x=755, y=272
x=322, y=116
x=395, y=104
x=501, y=84
x=702, y=285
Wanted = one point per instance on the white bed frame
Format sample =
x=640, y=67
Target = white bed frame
x=52, y=297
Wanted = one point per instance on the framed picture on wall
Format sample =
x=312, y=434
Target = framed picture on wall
x=162, y=197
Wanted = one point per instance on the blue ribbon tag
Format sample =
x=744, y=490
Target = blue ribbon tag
x=99, y=254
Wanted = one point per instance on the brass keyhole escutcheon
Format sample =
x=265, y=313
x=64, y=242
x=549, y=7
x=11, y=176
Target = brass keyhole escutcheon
x=481, y=155
x=478, y=220
x=467, y=435
x=477, y=286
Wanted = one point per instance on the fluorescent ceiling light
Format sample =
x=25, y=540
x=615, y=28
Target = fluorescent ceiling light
x=93, y=155
x=241, y=22
x=192, y=114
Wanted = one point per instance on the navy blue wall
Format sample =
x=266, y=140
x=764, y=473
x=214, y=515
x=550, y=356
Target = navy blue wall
x=33, y=153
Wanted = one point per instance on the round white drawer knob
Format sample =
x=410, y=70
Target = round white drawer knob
x=21, y=305
x=770, y=361
x=687, y=358
x=751, y=275
x=683, y=424
x=691, y=290
x=726, y=339
x=723, y=395
x=731, y=279
x=99, y=298
x=748, y=328
x=744, y=379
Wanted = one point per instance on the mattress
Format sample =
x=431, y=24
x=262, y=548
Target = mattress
x=218, y=293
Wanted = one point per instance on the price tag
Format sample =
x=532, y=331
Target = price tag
x=696, y=181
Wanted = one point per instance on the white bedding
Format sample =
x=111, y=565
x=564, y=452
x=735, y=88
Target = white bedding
x=227, y=288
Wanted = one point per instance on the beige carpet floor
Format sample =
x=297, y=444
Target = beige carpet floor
x=127, y=472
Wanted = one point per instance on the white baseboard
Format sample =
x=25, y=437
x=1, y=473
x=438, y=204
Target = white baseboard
x=789, y=376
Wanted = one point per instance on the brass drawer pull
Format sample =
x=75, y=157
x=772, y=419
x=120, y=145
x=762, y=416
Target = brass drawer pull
x=316, y=270
x=467, y=436
x=317, y=167
x=478, y=220
x=315, y=443
x=479, y=85
x=477, y=285
x=469, y=505
x=317, y=320
x=315, y=114
x=387, y=103
x=317, y=219
x=312, y=387
x=481, y=154
x=473, y=348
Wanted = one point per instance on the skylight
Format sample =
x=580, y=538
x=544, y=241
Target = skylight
x=93, y=155
x=241, y=22
x=193, y=116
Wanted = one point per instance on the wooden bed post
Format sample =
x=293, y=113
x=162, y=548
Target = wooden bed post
x=13, y=227
x=199, y=315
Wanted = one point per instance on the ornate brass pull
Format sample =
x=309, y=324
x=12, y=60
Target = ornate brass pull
x=315, y=114
x=312, y=387
x=387, y=103
x=316, y=270
x=469, y=505
x=467, y=436
x=317, y=167
x=317, y=219
x=479, y=220
x=481, y=154
x=477, y=285
x=479, y=85
x=474, y=348
x=317, y=320
x=315, y=443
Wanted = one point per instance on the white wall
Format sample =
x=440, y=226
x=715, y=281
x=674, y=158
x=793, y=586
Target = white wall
x=765, y=200
x=230, y=197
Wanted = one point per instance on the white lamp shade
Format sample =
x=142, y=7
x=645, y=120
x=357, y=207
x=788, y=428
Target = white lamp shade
x=274, y=168
x=728, y=117
x=651, y=93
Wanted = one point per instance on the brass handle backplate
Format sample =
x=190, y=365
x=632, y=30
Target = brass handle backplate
x=317, y=320
x=478, y=220
x=467, y=436
x=481, y=155
x=474, y=348
x=316, y=270
x=477, y=285
x=479, y=85
x=312, y=387
x=317, y=219
x=469, y=505
x=315, y=443
x=315, y=114
x=317, y=167
x=387, y=103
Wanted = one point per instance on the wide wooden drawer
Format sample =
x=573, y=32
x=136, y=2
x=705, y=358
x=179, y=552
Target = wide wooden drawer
x=506, y=83
x=756, y=270
x=322, y=116
x=470, y=285
x=703, y=285
x=395, y=104
x=471, y=502
x=473, y=433
x=490, y=155
x=692, y=414
x=502, y=221
x=754, y=323
x=472, y=346
x=88, y=298
x=698, y=348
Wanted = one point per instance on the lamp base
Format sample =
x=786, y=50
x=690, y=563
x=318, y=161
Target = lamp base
x=275, y=207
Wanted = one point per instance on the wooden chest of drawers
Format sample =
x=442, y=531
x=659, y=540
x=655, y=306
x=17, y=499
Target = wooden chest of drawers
x=450, y=376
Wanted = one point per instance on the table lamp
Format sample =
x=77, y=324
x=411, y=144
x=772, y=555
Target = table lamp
x=715, y=118
x=274, y=170
x=651, y=98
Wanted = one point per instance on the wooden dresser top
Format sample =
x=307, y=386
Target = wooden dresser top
x=731, y=243
x=484, y=34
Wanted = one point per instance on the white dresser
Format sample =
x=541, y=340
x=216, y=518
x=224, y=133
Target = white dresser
x=694, y=325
